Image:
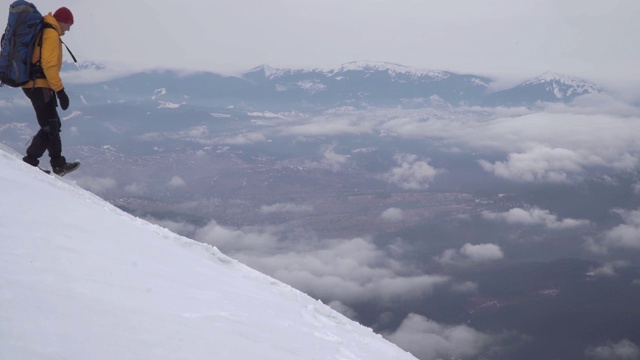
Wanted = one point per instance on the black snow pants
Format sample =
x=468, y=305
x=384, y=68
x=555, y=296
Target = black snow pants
x=48, y=137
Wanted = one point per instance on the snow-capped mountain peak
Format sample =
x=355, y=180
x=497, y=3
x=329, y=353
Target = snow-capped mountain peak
x=83, y=66
x=359, y=84
x=562, y=85
x=391, y=68
x=362, y=66
x=271, y=72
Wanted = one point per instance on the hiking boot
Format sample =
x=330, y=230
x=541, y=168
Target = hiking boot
x=67, y=168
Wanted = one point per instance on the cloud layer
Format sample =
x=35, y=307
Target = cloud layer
x=411, y=173
x=625, y=236
x=470, y=254
x=534, y=216
x=554, y=143
x=622, y=350
x=345, y=270
x=429, y=340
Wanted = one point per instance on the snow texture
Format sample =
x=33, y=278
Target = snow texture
x=81, y=279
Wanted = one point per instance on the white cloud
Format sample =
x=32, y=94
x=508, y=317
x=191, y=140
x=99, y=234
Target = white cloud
x=197, y=134
x=607, y=270
x=345, y=270
x=482, y=252
x=242, y=139
x=622, y=350
x=471, y=254
x=183, y=228
x=465, y=287
x=135, y=188
x=525, y=145
x=626, y=235
x=250, y=241
x=177, y=181
x=540, y=150
x=285, y=207
x=534, y=216
x=342, y=123
x=97, y=185
x=595, y=246
x=411, y=174
x=333, y=160
x=535, y=142
x=343, y=309
x=330, y=159
x=194, y=132
x=392, y=214
x=623, y=236
x=539, y=164
x=429, y=340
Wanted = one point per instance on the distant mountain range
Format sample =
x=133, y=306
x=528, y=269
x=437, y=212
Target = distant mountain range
x=355, y=84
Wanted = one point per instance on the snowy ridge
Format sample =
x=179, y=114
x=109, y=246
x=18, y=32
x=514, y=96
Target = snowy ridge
x=83, y=65
x=562, y=85
x=366, y=66
x=81, y=279
x=391, y=68
x=359, y=84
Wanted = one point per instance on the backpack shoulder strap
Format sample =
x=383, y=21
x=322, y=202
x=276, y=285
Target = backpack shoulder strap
x=46, y=25
x=69, y=50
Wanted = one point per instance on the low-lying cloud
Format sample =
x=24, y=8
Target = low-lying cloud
x=333, y=160
x=541, y=164
x=607, y=269
x=96, y=184
x=557, y=143
x=626, y=235
x=345, y=270
x=429, y=340
x=242, y=139
x=471, y=254
x=392, y=214
x=623, y=236
x=411, y=173
x=330, y=159
x=534, y=216
x=622, y=350
x=285, y=208
x=177, y=181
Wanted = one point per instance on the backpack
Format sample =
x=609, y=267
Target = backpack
x=24, y=27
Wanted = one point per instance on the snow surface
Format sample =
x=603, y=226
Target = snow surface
x=81, y=279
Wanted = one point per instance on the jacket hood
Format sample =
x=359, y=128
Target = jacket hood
x=51, y=20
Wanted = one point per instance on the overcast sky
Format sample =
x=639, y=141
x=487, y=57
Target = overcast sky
x=589, y=38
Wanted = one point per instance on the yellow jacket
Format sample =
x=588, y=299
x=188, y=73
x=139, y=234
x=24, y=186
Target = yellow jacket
x=51, y=56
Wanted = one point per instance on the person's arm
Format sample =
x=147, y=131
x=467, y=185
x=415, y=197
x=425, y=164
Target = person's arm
x=51, y=60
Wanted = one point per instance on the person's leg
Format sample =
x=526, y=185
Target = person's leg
x=48, y=137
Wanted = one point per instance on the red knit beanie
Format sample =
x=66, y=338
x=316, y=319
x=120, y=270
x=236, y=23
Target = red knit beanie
x=64, y=15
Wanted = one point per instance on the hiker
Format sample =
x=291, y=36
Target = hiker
x=43, y=91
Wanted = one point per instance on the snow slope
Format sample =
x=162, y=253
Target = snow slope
x=80, y=279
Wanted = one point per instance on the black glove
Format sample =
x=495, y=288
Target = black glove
x=63, y=99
